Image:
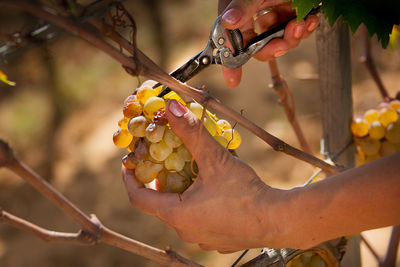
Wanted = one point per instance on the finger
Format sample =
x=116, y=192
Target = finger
x=294, y=32
x=147, y=200
x=186, y=125
x=232, y=77
x=312, y=23
x=273, y=49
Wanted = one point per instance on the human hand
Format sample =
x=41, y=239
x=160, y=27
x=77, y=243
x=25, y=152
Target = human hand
x=238, y=14
x=222, y=209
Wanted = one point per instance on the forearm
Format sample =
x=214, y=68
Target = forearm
x=359, y=199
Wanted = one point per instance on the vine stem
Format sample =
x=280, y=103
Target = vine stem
x=93, y=231
x=286, y=99
x=141, y=64
x=370, y=64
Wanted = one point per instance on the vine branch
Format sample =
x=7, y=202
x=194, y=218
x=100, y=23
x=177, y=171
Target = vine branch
x=140, y=64
x=286, y=100
x=93, y=230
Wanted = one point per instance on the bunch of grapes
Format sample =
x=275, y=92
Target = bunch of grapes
x=156, y=153
x=377, y=133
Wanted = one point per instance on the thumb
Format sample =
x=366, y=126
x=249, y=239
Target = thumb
x=204, y=148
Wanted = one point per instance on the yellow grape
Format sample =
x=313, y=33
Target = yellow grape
x=233, y=137
x=176, y=183
x=122, y=138
x=376, y=130
x=139, y=147
x=132, y=109
x=137, y=126
x=395, y=104
x=144, y=174
x=184, y=153
x=387, y=116
x=371, y=115
x=197, y=109
x=129, y=161
x=174, y=162
x=148, y=83
x=154, y=166
x=387, y=148
x=210, y=125
x=359, y=127
x=171, y=139
x=160, y=151
x=393, y=132
x=123, y=123
x=152, y=105
x=130, y=98
x=370, y=146
x=221, y=140
x=145, y=93
x=155, y=132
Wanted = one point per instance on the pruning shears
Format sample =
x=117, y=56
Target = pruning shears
x=216, y=51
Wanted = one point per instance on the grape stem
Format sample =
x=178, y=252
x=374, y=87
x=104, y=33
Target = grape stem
x=93, y=231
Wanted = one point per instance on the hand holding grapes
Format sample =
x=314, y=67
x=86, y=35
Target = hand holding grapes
x=225, y=188
x=239, y=14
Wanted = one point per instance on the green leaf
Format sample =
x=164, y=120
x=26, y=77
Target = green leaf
x=378, y=16
x=303, y=7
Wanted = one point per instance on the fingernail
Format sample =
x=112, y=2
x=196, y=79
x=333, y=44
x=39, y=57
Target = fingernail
x=312, y=26
x=232, y=16
x=298, y=31
x=177, y=109
x=280, y=53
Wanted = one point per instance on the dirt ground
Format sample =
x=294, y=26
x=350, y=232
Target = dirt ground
x=61, y=116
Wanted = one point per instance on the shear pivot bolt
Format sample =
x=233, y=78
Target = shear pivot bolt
x=221, y=41
x=205, y=60
x=226, y=54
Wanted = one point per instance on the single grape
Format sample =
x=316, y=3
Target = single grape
x=233, y=137
x=376, y=130
x=129, y=161
x=152, y=105
x=155, y=132
x=210, y=125
x=387, y=148
x=176, y=183
x=359, y=127
x=184, y=153
x=148, y=83
x=160, y=151
x=370, y=146
x=130, y=98
x=123, y=123
x=197, y=109
x=371, y=115
x=174, y=162
x=154, y=166
x=132, y=109
x=140, y=149
x=137, y=126
x=144, y=174
x=144, y=93
x=171, y=139
x=221, y=140
x=393, y=132
x=161, y=180
x=387, y=116
x=122, y=138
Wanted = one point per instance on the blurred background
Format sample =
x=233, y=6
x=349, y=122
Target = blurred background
x=60, y=117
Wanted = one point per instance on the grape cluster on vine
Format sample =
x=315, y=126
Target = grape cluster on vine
x=156, y=154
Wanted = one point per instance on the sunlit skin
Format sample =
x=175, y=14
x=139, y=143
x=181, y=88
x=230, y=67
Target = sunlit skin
x=229, y=208
x=238, y=14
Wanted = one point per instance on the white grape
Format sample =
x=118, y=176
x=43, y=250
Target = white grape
x=155, y=132
x=174, y=162
x=160, y=151
x=137, y=126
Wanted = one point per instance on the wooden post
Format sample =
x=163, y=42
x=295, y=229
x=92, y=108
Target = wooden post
x=333, y=49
